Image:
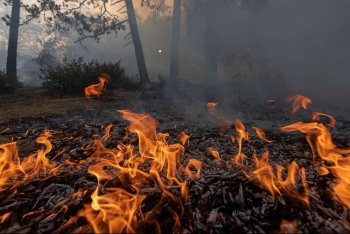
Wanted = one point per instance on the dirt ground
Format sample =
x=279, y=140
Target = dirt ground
x=38, y=104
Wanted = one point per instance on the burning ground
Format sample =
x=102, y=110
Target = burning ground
x=146, y=164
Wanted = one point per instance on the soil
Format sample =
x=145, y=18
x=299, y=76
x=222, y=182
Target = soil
x=38, y=103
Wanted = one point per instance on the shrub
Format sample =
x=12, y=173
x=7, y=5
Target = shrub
x=73, y=76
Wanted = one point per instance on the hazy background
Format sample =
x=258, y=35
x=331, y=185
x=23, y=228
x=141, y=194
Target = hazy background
x=304, y=45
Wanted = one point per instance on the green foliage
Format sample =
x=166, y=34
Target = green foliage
x=73, y=76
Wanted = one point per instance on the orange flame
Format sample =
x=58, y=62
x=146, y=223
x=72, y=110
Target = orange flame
x=96, y=89
x=183, y=137
x=298, y=101
x=196, y=164
x=211, y=106
x=288, y=226
x=316, y=117
x=320, y=141
x=242, y=134
x=214, y=152
x=261, y=134
x=275, y=184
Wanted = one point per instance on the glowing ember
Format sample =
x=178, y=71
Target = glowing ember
x=298, y=101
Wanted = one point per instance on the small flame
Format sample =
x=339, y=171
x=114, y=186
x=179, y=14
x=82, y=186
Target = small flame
x=196, y=164
x=261, y=134
x=183, y=137
x=316, y=117
x=288, y=226
x=242, y=134
x=214, y=152
x=211, y=106
x=298, y=101
x=97, y=89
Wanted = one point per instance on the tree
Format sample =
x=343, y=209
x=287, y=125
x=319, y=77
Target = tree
x=57, y=19
x=11, y=64
x=145, y=81
x=175, y=42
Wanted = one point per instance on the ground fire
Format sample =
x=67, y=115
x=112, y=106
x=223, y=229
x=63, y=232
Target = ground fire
x=124, y=179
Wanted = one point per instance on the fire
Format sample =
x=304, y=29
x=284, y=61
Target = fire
x=155, y=166
x=275, y=184
x=214, y=152
x=288, y=226
x=323, y=148
x=298, y=101
x=261, y=134
x=183, y=137
x=196, y=164
x=118, y=210
x=242, y=134
x=211, y=106
x=97, y=89
x=316, y=117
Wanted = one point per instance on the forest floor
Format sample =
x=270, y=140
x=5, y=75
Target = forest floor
x=223, y=199
x=38, y=103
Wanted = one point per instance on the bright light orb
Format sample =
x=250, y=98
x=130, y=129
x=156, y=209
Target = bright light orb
x=160, y=51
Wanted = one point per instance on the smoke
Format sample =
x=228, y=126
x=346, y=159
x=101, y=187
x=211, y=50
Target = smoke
x=264, y=49
x=284, y=46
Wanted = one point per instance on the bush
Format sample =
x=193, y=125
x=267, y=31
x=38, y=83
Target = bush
x=73, y=76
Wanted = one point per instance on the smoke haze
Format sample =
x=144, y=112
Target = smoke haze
x=273, y=47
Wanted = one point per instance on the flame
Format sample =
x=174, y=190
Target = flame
x=298, y=101
x=118, y=210
x=261, y=134
x=108, y=132
x=316, y=117
x=276, y=185
x=10, y=167
x=264, y=174
x=96, y=89
x=183, y=137
x=196, y=164
x=113, y=212
x=214, y=152
x=270, y=100
x=242, y=134
x=322, y=146
x=211, y=106
x=288, y=226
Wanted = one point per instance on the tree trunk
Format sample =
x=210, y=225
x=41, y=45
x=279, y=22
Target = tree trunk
x=210, y=63
x=11, y=65
x=145, y=81
x=175, y=42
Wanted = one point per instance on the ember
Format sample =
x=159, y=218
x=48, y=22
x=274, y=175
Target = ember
x=111, y=178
